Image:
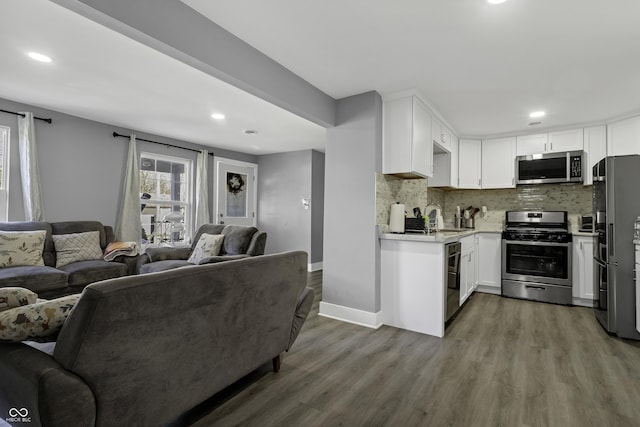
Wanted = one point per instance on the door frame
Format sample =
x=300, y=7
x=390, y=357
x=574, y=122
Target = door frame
x=216, y=163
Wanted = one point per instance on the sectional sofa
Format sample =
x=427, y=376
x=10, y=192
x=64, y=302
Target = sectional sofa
x=52, y=279
x=144, y=349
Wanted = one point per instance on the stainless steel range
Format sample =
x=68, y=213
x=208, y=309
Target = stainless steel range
x=536, y=256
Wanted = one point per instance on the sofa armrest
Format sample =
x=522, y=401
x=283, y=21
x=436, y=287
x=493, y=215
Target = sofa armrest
x=164, y=254
x=257, y=244
x=302, y=311
x=33, y=380
x=132, y=263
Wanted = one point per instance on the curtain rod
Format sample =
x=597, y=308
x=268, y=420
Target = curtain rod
x=22, y=115
x=116, y=135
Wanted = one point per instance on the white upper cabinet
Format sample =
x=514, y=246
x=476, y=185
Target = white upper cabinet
x=498, y=163
x=623, y=137
x=565, y=140
x=407, y=139
x=441, y=134
x=595, y=149
x=469, y=163
x=552, y=142
x=531, y=144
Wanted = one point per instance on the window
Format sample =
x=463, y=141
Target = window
x=165, y=198
x=4, y=173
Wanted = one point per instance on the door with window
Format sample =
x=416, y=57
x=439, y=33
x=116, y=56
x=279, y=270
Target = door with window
x=235, y=192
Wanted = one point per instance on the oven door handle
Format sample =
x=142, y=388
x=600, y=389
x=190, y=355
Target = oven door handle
x=527, y=243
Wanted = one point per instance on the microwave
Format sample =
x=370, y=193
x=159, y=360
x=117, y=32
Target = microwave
x=550, y=168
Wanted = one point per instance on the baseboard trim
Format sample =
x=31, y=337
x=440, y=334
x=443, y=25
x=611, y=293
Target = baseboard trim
x=583, y=302
x=350, y=315
x=316, y=266
x=489, y=290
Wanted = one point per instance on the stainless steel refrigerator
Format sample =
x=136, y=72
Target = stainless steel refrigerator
x=616, y=204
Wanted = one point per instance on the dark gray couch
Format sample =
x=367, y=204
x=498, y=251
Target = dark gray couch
x=142, y=350
x=51, y=282
x=239, y=242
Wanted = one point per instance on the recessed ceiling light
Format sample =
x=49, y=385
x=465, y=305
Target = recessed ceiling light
x=536, y=114
x=217, y=116
x=39, y=57
x=496, y=1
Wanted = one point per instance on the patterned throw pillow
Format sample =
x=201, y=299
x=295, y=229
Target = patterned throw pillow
x=37, y=320
x=15, y=297
x=21, y=247
x=208, y=245
x=76, y=247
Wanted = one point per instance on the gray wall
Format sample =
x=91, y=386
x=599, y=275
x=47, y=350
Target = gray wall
x=81, y=164
x=284, y=180
x=351, y=275
x=317, y=207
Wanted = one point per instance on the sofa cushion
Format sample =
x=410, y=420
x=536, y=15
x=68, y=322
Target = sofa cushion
x=209, y=229
x=208, y=245
x=82, y=273
x=15, y=297
x=37, y=320
x=76, y=247
x=36, y=278
x=237, y=239
x=21, y=248
x=154, y=267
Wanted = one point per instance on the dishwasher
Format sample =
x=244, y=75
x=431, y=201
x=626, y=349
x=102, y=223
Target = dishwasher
x=452, y=259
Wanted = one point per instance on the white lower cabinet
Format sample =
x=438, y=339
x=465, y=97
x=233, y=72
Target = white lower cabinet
x=489, y=263
x=584, y=292
x=468, y=267
x=412, y=285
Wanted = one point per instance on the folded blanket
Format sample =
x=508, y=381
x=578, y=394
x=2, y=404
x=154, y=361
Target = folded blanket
x=115, y=249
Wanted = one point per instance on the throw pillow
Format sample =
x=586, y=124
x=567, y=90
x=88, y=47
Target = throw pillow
x=208, y=245
x=76, y=247
x=21, y=247
x=36, y=320
x=15, y=297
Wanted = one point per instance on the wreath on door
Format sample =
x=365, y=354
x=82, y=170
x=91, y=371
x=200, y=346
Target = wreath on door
x=235, y=183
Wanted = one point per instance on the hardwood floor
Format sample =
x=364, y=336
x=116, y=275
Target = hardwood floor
x=503, y=362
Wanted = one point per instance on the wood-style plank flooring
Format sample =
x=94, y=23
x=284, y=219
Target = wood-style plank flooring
x=503, y=362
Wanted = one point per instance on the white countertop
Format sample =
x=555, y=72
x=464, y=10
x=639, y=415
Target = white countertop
x=439, y=237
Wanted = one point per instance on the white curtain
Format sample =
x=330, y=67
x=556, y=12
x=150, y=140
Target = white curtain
x=129, y=226
x=202, y=192
x=29, y=172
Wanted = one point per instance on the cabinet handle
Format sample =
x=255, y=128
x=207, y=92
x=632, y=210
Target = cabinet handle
x=551, y=145
x=479, y=181
x=580, y=245
x=545, y=146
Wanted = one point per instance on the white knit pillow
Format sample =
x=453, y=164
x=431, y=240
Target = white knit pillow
x=77, y=247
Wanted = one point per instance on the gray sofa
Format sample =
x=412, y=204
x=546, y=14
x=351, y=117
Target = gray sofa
x=51, y=282
x=143, y=350
x=239, y=242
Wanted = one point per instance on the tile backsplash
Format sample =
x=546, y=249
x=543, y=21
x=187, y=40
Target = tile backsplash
x=574, y=198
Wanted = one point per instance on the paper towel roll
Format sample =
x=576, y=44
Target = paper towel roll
x=396, y=218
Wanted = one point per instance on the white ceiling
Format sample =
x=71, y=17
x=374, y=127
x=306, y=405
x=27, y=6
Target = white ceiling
x=483, y=67
x=102, y=75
